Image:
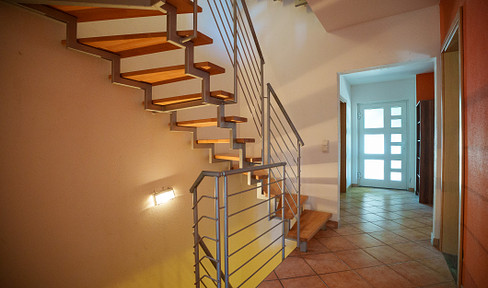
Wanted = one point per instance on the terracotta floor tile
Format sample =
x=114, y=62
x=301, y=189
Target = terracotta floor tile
x=415, y=251
x=418, y=274
x=325, y=263
x=387, y=255
x=293, y=267
x=309, y=282
x=271, y=276
x=451, y=284
x=346, y=279
x=371, y=217
x=368, y=227
x=388, y=237
x=383, y=277
x=270, y=284
x=326, y=233
x=411, y=234
x=357, y=258
x=389, y=215
x=388, y=224
x=337, y=243
x=314, y=246
x=363, y=240
x=348, y=230
x=409, y=223
x=352, y=219
x=439, y=265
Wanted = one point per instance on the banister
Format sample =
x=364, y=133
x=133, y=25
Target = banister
x=270, y=88
x=204, y=174
x=253, y=32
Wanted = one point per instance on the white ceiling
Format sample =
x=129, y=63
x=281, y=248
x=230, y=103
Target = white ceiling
x=338, y=14
x=389, y=72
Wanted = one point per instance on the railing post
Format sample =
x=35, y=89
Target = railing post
x=268, y=120
x=283, y=231
x=217, y=232
x=265, y=160
x=236, y=64
x=196, y=239
x=299, y=210
x=226, y=233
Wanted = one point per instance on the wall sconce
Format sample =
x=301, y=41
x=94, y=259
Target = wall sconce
x=163, y=196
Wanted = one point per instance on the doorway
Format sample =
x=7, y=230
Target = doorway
x=382, y=141
x=452, y=148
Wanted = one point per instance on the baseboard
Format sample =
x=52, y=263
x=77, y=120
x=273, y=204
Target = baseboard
x=411, y=189
x=435, y=242
x=354, y=185
x=332, y=224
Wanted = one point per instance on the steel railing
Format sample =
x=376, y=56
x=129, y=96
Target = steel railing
x=216, y=211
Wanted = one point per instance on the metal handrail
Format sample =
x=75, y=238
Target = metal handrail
x=285, y=114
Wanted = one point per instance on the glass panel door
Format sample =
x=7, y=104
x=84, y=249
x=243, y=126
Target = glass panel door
x=382, y=145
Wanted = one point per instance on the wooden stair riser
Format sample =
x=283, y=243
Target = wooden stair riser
x=310, y=223
x=291, y=201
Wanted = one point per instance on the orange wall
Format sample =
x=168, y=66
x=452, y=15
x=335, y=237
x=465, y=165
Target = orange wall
x=425, y=86
x=476, y=135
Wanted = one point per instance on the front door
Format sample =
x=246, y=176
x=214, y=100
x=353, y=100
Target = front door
x=382, y=145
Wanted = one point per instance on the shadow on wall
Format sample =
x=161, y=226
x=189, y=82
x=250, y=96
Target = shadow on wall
x=313, y=154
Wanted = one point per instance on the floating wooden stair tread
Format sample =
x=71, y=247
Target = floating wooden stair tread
x=231, y=157
x=86, y=14
x=260, y=175
x=223, y=95
x=310, y=223
x=291, y=208
x=210, y=121
x=159, y=76
x=225, y=141
x=140, y=44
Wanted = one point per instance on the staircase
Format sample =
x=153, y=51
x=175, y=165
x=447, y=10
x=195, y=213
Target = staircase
x=281, y=187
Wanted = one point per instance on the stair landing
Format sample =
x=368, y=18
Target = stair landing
x=310, y=223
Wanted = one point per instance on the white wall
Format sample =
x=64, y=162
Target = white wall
x=302, y=62
x=80, y=159
x=400, y=90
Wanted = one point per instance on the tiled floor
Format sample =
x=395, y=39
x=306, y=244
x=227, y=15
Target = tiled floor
x=383, y=241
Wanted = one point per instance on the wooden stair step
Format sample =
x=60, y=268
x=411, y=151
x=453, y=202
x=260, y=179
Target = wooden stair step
x=226, y=141
x=89, y=13
x=222, y=95
x=290, y=207
x=159, y=76
x=231, y=157
x=310, y=223
x=140, y=44
x=210, y=122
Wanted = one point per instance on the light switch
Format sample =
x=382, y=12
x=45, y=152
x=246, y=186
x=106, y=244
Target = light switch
x=325, y=146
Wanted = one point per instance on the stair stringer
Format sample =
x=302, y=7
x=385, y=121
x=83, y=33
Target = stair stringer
x=72, y=43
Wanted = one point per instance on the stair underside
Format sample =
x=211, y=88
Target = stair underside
x=290, y=206
x=231, y=157
x=140, y=44
x=222, y=95
x=165, y=75
x=210, y=122
x=310, y=223
x=87, y=14
x=226, y=141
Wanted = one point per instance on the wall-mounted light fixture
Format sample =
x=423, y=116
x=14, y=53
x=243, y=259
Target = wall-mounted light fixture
x=163, y=196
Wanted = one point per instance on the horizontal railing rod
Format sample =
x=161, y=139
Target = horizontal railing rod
x=250, y=207
x=220, y=32
x=253, y=31
x=256, y=238
x=283, y=126
x=255, y=222
x=261, y=267
x=201, y=198
x=252, y=189
x=201, y=218
x=249, y=40
x=255, y=255
x=281, y=149
x=207, y=257
x=285, y=114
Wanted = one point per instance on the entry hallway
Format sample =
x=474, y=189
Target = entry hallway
x=383, y=241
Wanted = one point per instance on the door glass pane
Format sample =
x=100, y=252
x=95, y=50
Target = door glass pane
x=396, y=111
x=373, y=118
x=396, y=176
x=396, y=150
x=396, y=137
x=374, y=169
x=396, y=123
x=396, y=164
x=374, y=144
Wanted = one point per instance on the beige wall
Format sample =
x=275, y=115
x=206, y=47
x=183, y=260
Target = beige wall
x=79, y=161
x=302, y=62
